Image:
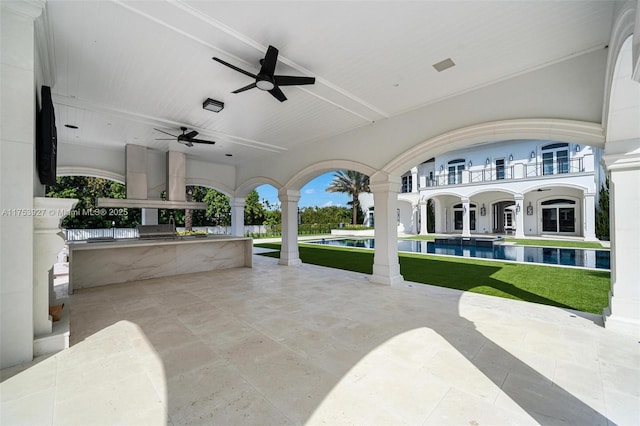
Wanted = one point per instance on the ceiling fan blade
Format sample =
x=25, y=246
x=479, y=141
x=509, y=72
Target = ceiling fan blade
x=203, y=141
x=247, y=73
x=162, y=131
x=173, y=139
x=277, y=93
x=187, y=143
x=269, y=62
x=188, y=136
x=289, y=80
x=242, y=89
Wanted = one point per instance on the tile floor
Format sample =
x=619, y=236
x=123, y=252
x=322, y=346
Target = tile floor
x=276, y=345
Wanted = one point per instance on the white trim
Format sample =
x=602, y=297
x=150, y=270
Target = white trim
x=314, y=170
x=90, y=172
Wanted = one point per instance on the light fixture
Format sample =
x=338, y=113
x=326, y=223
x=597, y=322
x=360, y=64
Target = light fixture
x=518, y=208
x=213, y=105
x=265, y=85
x=577, y=148
x=529, y=209
x=511, y=157
x=483, y=210
x=488, y=161
x=70, y=126
x=441, y=167
x=470, y=164
x=533, y=155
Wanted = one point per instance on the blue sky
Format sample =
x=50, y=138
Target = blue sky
x=312, y=194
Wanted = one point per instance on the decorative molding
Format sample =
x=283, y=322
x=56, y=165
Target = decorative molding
x=92, y=172
x=288, y=195
x=243, y=189
x=45, y=48
x=315, y=170
x=27, y=8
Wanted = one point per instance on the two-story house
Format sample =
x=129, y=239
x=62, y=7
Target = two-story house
x=519, y=187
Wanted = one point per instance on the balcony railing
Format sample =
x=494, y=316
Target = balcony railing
x=511, y=172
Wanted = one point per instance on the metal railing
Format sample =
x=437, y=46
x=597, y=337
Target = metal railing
x=510, y=172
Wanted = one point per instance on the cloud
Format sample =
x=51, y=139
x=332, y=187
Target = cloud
x=328, y=204
x=310, y=191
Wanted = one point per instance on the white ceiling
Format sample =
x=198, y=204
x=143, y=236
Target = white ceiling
x=123, y=68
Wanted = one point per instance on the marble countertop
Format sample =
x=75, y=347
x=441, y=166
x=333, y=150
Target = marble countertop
x=128, y=242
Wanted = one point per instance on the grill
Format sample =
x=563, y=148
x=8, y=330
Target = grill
x=157, y=232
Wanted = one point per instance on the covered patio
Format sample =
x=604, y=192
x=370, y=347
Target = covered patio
x=312, y=345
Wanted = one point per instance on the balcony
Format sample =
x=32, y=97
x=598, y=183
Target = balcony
x=512, y=172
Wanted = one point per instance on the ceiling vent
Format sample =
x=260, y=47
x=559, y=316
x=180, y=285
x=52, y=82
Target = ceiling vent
x=444, y=65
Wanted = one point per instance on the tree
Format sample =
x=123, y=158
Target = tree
x=253, y=210
x=602, y=213
x=352, y=183
x=87, y=190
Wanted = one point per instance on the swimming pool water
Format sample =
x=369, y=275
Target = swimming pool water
x=586, y=258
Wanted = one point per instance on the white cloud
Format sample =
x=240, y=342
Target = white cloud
x=310, y=191
x=328, y=204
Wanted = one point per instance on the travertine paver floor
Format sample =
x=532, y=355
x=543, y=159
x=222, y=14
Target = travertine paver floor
x=311, y=345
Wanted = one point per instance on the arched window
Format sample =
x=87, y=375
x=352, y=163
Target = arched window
x=555, y=158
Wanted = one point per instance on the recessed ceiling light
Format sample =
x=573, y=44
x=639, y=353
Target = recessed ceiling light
x=70, y=126
x=443, y=65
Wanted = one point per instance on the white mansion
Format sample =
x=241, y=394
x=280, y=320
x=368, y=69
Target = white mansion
x=518, y=187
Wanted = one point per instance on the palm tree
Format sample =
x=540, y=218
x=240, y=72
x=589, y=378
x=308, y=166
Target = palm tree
x=352, y=183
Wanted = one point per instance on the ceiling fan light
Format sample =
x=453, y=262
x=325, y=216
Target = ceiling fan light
x=265, y=85
x=213, y=105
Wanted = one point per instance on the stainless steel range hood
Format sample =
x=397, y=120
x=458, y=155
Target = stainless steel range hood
x=136, y=177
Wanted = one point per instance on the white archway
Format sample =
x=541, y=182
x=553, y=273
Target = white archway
x=90, y=172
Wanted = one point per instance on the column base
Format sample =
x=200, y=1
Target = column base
x=630, y=327
x=622, y=316
x=289, y=262
x=383, y=274
x=517, y=235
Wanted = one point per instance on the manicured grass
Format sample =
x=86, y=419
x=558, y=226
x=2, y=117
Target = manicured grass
x=579, y=289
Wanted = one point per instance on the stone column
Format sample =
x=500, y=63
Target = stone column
x=440, y=217
x=623, y=313
x=386, y=267
x=466, y=215
x=423, y=217
x=48, y=240
x=18, y=185
x=289, y=254
x=414, y=218
x=589, y=217
x=237, y=216
x=519, y=212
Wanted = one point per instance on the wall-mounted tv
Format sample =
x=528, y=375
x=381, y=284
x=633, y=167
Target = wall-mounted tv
x=46, y=139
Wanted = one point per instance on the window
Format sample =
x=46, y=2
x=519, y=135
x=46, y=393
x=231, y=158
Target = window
x=456, y=167
x=555, y=159
x=559, y=216
x=500, y=169
x=406, y=184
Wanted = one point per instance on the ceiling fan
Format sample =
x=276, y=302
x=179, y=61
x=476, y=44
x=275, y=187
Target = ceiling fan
x=185, y=138
x=266, y=80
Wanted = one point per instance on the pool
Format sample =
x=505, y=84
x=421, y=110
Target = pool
x=584, y=258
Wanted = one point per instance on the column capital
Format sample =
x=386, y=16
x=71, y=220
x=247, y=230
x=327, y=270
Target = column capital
x=237, y=202
x=384, y=182
x=518, y=197
x=465, y=200
x=288, y=195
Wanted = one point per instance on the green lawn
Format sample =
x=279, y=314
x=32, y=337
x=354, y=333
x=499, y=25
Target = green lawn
x=579, y=289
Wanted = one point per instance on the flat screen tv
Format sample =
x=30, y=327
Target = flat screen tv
x=46, y=139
